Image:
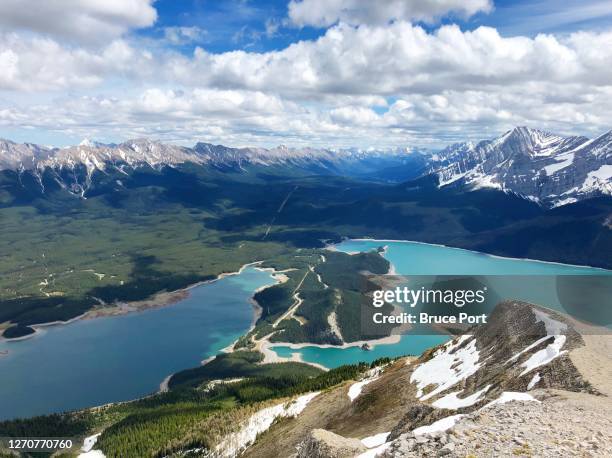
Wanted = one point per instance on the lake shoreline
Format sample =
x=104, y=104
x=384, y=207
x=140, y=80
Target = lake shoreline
x=265, y=346
x=388, y=340
x=143, y=349
x=166, y=298
x=497, y=256
x=157, y=300
x=280, y=278
x=383, y=249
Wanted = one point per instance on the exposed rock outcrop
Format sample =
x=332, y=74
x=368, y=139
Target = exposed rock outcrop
x=325, y=444
x=562, y=424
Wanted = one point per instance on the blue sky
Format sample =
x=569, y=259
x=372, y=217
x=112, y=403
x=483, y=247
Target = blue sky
x=240, y=24
x=302, y=72
x=232, y=24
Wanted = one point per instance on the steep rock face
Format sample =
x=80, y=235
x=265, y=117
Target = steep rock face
x=16, y=156
x=537, y=165
x=98, y=156
x=77, y=168
x=93, y=156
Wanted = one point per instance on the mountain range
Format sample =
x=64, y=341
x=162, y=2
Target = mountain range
x=549, y=169
x=83, y=161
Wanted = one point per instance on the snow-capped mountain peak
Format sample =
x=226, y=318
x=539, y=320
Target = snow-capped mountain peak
x=550, y=169
x=88, y=143
x=534, y=142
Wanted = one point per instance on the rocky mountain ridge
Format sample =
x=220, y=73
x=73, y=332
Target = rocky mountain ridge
x=96, y=156
x=77, y=169
x=546, y=168
x=478, y=384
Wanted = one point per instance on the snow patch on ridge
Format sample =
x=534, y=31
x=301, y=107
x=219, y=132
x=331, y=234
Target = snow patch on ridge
x=92, y=454
x=356, y=388
x=438, y=426
x=449, y=365
x=534, y=381
x=508, y=396
x=375, y=440
x=565, y=161
x=258, y=423
x=88, y=444
x=554, y=329
x=545, y=355
x=481, y=181
x=602, y=173
x=598, y=180
x=452, y=402
x=562, y=202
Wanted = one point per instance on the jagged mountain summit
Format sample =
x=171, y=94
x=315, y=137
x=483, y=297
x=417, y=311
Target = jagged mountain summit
x=537, y=165
x=93, y=155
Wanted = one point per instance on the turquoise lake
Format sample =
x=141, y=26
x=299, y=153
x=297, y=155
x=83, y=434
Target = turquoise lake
x=97, y=361
x=93, y=362
x=528, y=280
x=413, y=258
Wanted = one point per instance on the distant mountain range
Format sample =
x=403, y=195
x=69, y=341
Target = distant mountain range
x=548, y=169
x=98, y=156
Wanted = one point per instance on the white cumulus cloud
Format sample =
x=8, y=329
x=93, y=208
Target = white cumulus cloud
x=83, y=21
x=323, y=13
x=184, y=35
x=382, y=83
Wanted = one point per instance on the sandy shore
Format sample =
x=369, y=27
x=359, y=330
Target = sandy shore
x=389, y=340
x=163, y=386
x=280, y=277
x=264, y=346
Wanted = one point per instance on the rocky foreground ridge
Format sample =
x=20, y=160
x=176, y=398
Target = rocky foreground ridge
x=530, y=383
